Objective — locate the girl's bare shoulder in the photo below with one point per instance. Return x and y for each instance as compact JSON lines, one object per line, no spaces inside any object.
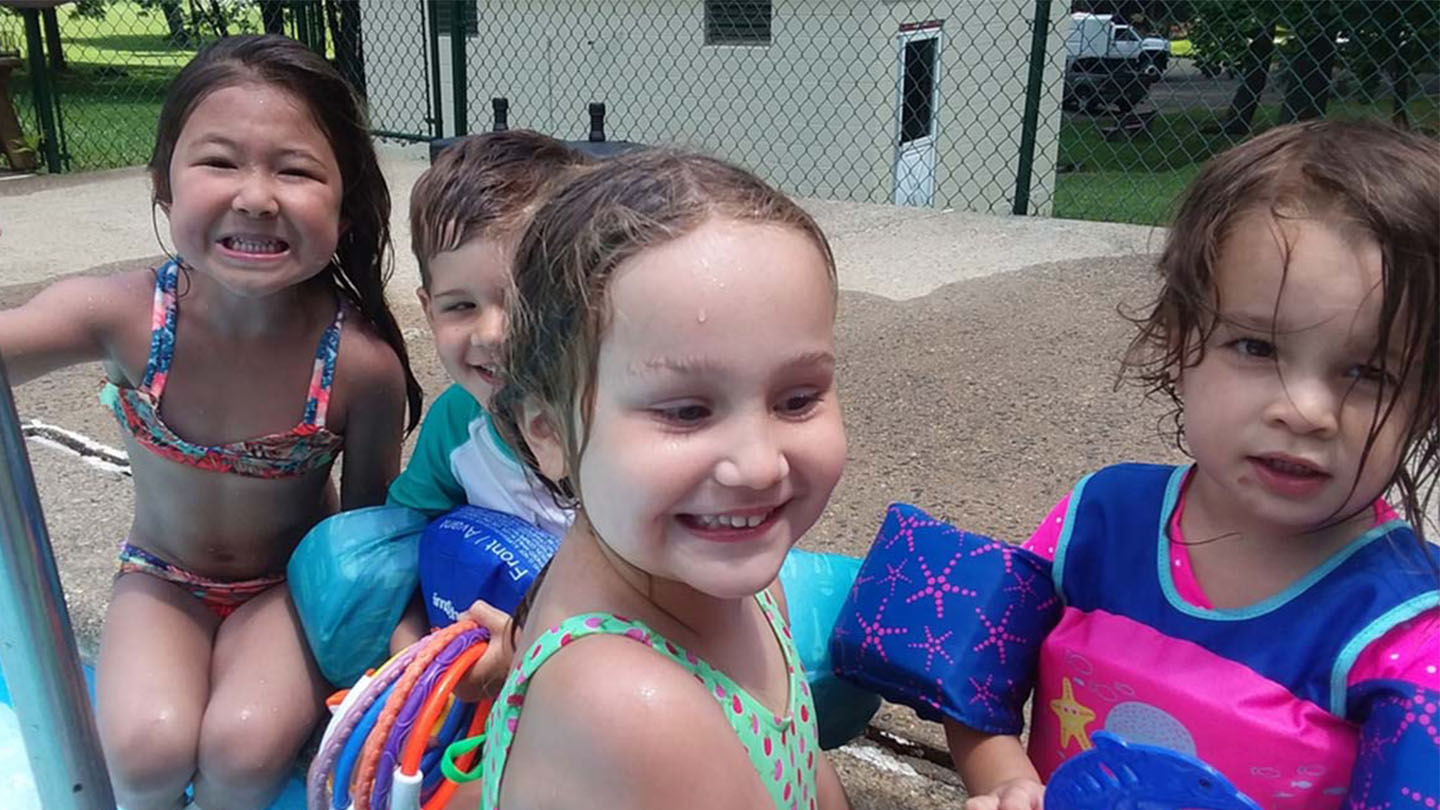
{"x":368,"y":373}
{"x":365,"y":359}
{"x":609,"y":705}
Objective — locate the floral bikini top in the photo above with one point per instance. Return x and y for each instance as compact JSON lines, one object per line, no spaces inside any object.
{"x":304,"y":448}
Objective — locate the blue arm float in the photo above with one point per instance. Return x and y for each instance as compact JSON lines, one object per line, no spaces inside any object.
{"x":1116,"y":775}
{"x":946,"y":622}
{"x":815,"y":586}
{"x":473,"y":553}
{"x":1399,"y":746}
{"x":350,"y":578}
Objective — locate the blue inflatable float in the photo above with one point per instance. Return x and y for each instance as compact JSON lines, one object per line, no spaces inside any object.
{"x":353,"y":574}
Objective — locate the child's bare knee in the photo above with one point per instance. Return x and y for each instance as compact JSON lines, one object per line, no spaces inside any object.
{"x":151,"y":752}
{"x":246,"y":747}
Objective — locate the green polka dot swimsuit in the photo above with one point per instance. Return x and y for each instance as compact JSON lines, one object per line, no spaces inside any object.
{"x":782,"y":749}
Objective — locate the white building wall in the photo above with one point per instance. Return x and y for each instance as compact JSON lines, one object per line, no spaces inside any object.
{"x":814,"y":112}
{"x":984,"y":71}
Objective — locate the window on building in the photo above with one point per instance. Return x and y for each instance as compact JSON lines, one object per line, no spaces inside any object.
{"x":737,"y":22}
{"x":445,"y":17}
{"x":918,"y":93}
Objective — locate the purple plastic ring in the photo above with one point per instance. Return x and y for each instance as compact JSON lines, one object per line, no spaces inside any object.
{"x":410,"y":710}
{"x":324,"y":762}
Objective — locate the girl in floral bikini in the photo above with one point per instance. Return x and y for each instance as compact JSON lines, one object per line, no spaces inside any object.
{"x":279,"y":217}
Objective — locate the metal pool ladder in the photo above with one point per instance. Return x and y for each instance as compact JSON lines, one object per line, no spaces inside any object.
{"x":37,"y":648}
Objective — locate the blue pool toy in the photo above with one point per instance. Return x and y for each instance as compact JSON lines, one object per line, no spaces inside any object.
{"x":473,"y":553}
{"x":1116,"y":775}
{"x":350,"y":578}
{"x":816,"y":585}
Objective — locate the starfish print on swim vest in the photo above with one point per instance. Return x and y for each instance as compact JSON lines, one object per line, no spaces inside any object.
{"x":1073,"y":717}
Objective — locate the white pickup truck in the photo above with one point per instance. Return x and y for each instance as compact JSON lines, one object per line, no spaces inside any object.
{"x":1097,"y":37}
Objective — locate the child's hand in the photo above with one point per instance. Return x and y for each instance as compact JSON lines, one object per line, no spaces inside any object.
{"x":488,"y":674}
{"x":1016,"y":794}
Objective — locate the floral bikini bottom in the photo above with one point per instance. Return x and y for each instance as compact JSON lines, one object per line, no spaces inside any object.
{"x":222,"y":597}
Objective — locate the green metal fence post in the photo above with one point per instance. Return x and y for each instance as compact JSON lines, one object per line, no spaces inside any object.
{"x":318,"y":33}
{"x":297,"y":18}
{"x":437,"y":101}
{"x":40,"y":79}
{"x":457,"y":59}
{"x":1030,"y":121}
{"x":305,"y":23}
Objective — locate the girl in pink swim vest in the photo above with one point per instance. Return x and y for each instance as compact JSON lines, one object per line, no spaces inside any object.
{"x":1265,"y":608}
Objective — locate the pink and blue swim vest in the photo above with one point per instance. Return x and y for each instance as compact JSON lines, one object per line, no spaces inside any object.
{"x":1322,"y":696}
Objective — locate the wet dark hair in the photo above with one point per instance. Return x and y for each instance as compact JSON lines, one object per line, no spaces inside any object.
{"x":483,"y":185}
{"x":363,"y":252}
{"x":602,"y":217}
{"x":1368,"y":178}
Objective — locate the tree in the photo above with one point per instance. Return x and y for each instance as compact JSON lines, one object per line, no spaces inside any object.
{"x":308,"y":22}
{"x":1314,"y":37}
{"x":272,"y":16}
{"x":1254,"y":73}
{"x":174,"y":20}
{"x":344,"y":18}
{"x":215,"y":15}
{"x":93,"y":9}
{"x":1311,"y":66}
{"x":1406,"y":37}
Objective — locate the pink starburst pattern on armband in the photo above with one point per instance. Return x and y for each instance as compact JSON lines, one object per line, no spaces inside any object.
{"x":938,"y":585}
{"x":874,"y":631}
{"x":984,"y":694}
{"x":906,"y":526}
{"x":893,"y":576}
{"x":933,"y":645}
{"x":1024,"y":587}
{"x":1005,"y":550}
{"x":997,"y":634}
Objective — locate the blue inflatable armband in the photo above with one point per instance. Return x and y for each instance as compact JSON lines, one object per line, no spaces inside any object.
{"x":473,"y":553}
{"x":1116,"y":775}
{"x":946,"y":622}
{"x":815,"y":587}
{"x":351,"y":577}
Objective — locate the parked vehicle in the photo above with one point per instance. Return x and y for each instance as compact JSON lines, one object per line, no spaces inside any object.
{"x":1099,"y":87}
{"x":1099,"y":38}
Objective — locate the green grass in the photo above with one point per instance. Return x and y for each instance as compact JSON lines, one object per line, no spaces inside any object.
{"x":1121,"y":196}
{"x":108,"y":116}
{"x":1140,"y":179}
{"x":110,"y":96}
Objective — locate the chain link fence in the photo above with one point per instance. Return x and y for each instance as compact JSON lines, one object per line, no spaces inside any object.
{"x":86,"y":79}
{"x":1091,"y":109}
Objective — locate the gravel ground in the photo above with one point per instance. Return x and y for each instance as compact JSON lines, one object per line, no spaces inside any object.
{"x":984,"y":401}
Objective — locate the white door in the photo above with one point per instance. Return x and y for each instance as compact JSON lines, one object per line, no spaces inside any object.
{"x":917,"y":101}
